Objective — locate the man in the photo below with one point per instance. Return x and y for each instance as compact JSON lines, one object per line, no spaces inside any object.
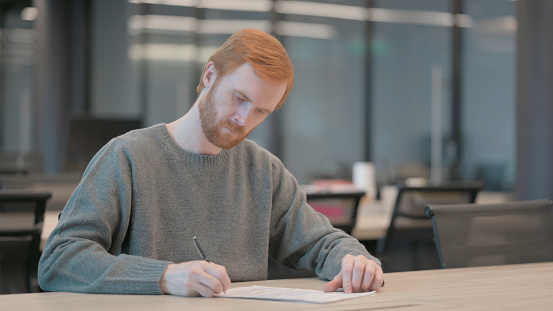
{"x":128,"y":227}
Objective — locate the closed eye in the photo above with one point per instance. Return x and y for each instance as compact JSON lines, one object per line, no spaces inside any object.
{"x":240,"y":99}
{"x":261,"y":111}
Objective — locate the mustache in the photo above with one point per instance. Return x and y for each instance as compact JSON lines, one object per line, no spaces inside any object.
{"x":229,"y":124}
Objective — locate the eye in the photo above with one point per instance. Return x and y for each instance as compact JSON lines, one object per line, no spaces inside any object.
{"x":239,"y":99}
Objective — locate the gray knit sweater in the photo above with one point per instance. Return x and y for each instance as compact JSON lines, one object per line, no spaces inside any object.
{"x":142,"y":199}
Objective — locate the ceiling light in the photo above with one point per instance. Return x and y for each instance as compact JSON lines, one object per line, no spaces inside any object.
{"x":321,"y":9}
{"x":307,"y":30}
{"x":237,"y":5}
{"x":225,"y":26}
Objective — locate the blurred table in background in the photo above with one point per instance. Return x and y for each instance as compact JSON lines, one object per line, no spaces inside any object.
{"x":373,"y":217}
{"x":50,"y":223}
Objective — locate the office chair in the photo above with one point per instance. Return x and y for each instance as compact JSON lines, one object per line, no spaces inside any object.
{"x":409,"y":235}
{"x":468,"y":235}
{"x":339,"y":207}
{"x":21,"y":220}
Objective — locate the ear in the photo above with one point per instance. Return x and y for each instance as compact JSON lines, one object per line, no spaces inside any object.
{"x":210,"y":74}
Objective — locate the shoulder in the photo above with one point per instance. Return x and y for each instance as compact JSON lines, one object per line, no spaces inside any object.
{"x":145,"y":135}
{"x":131,"y":145}
{"x":255,"y":153}
{"x":261,"y":161}
{"x":143,"y":140}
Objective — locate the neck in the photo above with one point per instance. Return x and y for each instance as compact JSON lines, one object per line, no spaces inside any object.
{"x":188,"y":134}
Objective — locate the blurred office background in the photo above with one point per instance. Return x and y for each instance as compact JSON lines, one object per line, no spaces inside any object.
{"x":420,"y":88}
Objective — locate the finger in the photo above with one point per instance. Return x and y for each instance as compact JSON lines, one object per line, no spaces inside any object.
{"x":216,"y":278}
{"x":220,"y":272}
{"x":368,"y":277}
{"x":347,"y":271}
{"x":358,"y":273}
{"x":204,"y":290}
{"x":225,"y":280}
{"x":378,"y":279}
{"x":333,"y":285}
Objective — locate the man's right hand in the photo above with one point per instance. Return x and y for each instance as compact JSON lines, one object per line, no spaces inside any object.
{"x":194,"y":278}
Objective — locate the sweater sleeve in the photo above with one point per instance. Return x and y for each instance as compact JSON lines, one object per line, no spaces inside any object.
{"x":83,"y":253}
{"x":302,"y":238}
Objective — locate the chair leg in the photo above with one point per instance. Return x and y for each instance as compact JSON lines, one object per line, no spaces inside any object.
{"x":414,"y":255}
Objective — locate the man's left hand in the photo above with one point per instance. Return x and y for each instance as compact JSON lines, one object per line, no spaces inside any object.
{"x":358,"y":274}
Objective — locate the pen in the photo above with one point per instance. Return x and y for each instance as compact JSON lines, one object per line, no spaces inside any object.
{"x":199,"y":249}
{"x":201,"y":252}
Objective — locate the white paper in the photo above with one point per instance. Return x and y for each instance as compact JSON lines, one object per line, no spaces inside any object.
{"x":289,"y":294}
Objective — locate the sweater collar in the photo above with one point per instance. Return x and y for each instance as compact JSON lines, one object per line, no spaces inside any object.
{"x":198,"y":159}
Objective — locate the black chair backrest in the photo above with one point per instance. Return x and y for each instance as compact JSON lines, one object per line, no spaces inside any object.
{"x":12,"y":202}
{"x":469,"y":235}
{"x":341,"y":207}
{"x":411,"y":202}
{"x":21,"y":220}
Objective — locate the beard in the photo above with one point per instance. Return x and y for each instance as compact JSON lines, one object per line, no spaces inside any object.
{"x":216,"y":131}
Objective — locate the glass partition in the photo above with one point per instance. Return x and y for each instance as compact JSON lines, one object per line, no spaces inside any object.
{"x":392,"y":95}
{"x":411,"y":56}
{"x":489,"y":104}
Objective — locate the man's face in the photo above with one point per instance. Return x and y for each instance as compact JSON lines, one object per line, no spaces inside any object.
{"x":236,"y":104}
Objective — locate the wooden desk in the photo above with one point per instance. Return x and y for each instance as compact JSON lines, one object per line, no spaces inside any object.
{"x":514,"y":287}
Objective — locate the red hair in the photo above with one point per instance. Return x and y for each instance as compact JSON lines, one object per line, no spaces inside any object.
{"x":262,"y":51}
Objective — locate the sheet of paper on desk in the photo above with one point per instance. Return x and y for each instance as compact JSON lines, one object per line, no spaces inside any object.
{"x":289,"y":294}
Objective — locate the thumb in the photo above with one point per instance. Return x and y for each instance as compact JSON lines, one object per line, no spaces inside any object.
{"x":333,"y":285}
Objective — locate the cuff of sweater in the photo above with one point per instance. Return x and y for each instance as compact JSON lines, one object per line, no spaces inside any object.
{"x":144,"y":276}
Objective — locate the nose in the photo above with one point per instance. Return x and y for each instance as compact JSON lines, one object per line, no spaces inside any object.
{"x":242,"y":113}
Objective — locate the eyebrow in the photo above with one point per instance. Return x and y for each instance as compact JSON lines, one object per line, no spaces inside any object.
{"x":248,"y":99}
